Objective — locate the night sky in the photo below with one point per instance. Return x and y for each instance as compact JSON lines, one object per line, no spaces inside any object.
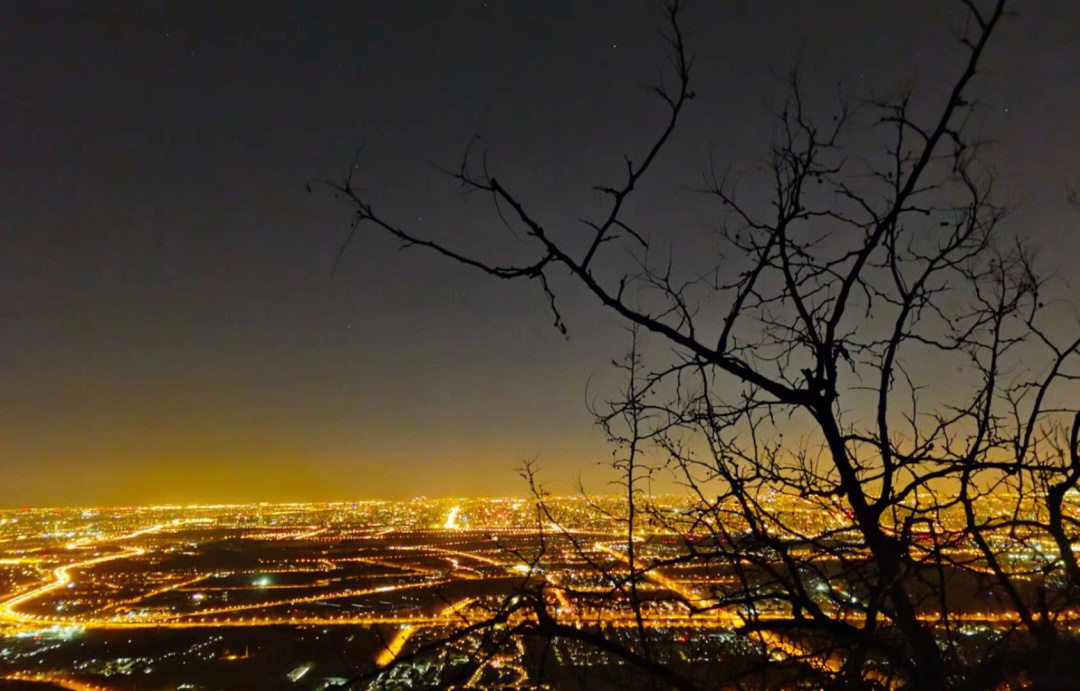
{"x":170,"y":330}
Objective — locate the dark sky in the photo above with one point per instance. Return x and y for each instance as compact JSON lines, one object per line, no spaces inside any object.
{"x":169,"y":327}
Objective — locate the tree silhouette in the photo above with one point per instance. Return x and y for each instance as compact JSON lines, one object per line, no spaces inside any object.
{"x":862,"y":400}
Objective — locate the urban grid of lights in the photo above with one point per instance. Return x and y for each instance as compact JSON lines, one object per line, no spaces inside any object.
{"x":380,"y":564}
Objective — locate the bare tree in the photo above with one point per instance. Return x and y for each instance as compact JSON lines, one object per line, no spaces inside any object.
{"x":868,"y":424}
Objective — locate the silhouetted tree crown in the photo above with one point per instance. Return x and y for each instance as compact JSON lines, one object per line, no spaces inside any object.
{"x":874,"y":346}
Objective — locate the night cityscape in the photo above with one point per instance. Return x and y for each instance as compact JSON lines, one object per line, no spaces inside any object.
{"x":325,"y":595}
{"x":540,"y":344}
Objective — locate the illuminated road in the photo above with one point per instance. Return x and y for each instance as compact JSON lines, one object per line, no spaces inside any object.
{"x":397,"y":643}
{"x":8,"y":613}
{"x":62,"y":577}
{"x":681,"y":589}
{"x":56,"y":680}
